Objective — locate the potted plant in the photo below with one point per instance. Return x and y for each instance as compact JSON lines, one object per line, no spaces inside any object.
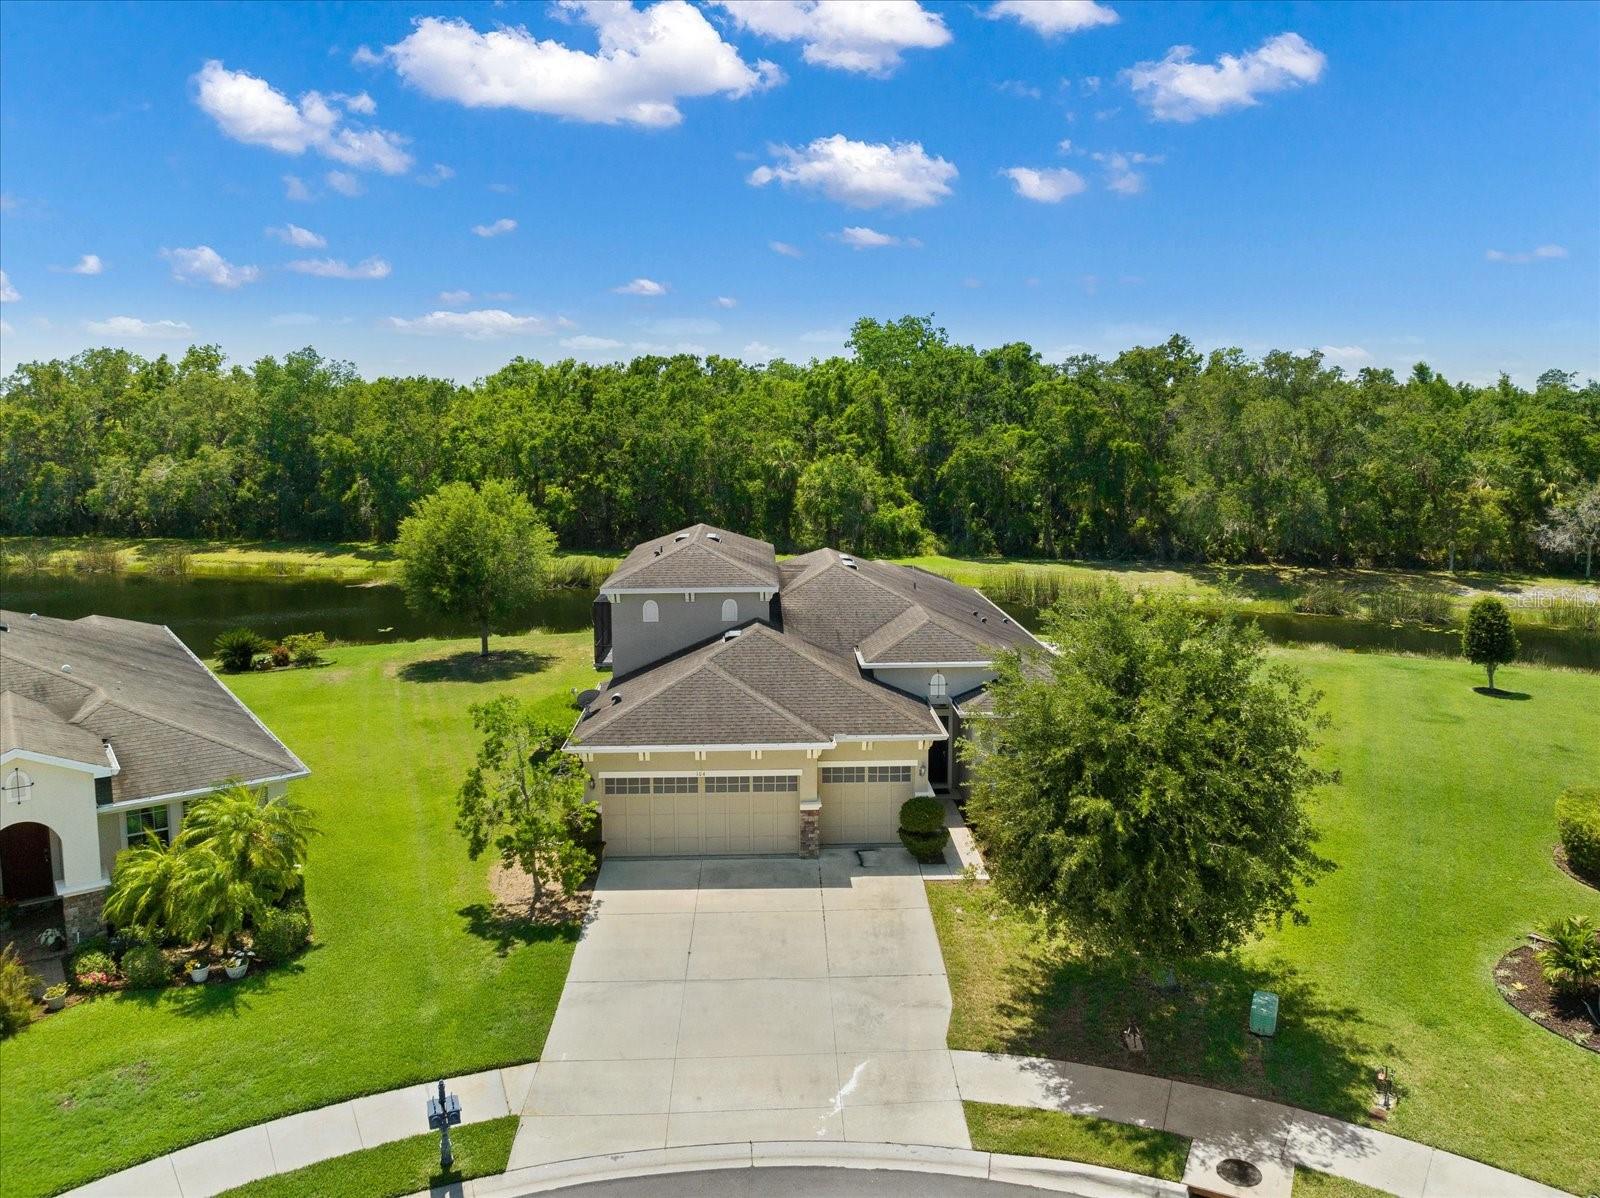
{"x":199,"y":970}
{"x":55,"y":997}
{"x":236,"y":965}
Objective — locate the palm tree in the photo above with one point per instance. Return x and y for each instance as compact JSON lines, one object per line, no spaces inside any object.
{"x":145,"y":886}
{"x":255,"y":842}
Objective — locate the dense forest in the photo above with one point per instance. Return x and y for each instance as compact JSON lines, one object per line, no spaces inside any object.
{"x":910,"y":442}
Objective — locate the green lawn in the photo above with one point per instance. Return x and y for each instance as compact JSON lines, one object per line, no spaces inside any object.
{"x":395,"y":1170}
{"x":1442,"y":827}
{"x":1308,"y":1183}
{"x":1020,"y":1131}
{"x":411,"y":977}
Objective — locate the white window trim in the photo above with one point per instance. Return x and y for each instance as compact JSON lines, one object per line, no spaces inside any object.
{"x":727,"y":617}
{"x":650,"y":613}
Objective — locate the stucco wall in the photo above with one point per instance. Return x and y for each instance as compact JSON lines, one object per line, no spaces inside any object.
{"x":683,"y":622}
{"x":915,"y":681}
{"x":62,"y":799}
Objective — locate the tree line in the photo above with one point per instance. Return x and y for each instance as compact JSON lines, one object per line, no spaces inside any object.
{"x":911,"y":442}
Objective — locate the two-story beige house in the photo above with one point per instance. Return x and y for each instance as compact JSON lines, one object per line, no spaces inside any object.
{"x":108,"y":728}
{"x":759,"y":706}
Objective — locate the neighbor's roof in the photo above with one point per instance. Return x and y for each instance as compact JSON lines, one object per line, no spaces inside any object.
{"x":761,"y":687}
{"x":69,"y":684}
{"x":892,"y":614}
{"x":697,"y":557}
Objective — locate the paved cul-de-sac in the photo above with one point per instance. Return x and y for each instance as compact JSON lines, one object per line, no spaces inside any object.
{"x":716,"y":1000}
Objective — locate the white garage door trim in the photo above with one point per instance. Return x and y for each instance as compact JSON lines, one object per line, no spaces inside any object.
{"x":702,"y":821}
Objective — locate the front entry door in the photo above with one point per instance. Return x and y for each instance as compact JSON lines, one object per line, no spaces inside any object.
{"x":25,"y":871}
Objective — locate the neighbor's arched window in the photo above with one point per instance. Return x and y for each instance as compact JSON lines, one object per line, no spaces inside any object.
{"x":938,"y":690}
{"x":652,"y":612}
{"x":730,"y":610}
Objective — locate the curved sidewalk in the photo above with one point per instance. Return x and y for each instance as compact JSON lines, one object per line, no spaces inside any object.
{"x":1221,"y":1124}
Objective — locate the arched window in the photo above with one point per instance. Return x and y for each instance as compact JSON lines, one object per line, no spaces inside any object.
{"x":938,"y":689}
{"x":652,"y":612}
{"x":730,"y":611}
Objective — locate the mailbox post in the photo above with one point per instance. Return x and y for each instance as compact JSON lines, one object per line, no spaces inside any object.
{"x":444,"y":1112}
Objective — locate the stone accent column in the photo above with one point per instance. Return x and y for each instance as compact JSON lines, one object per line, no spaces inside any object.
{"x":811,"y":828}
{"x":81,"y":913}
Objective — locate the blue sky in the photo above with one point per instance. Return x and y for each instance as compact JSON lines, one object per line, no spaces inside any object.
{"x":438,"y":188}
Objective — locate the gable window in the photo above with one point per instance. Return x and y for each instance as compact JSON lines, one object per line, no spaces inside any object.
{"x":652,"y":612}
{"x":938,"y":689}
{"x":148,"y":821}
{"x":730,"y":611}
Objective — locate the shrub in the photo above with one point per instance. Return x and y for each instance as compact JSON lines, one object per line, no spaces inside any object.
{"x":1326,"y":599}
{"x":97,"y":558}
{"x":1570,"y":957}
{"x":1578,"y":820}
{"x":922,"y":829}
{"x":236,"y":649}
{"x":1409,"y":607}
{"x":16,"y":993}
{"x":1488,"y":639}
{"x":281,"y":655}
{"x":93,"y":969}
{"x":172,"y":559}
{"x":305,"y":648}
{"x":280,"y":933}
{"x":145,"y":968}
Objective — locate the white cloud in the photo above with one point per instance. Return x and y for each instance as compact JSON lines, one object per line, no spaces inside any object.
{"x":337,"y":268}
{"x":1345,"y":355}
{"x":344,"y":183}
{"x":848,"y":35}
{"x":294,"y":188}
{"x":1541,"y":253}
{"x":360,"y":103}
{"x":784,"y":248}
{"x":483,"y":324}
{"x":365,"y":57}
{"x":202,"y":264}
{"x":439,"y":174}
{"x":301,"y":239}
{"x":88,"y":264}
{"x":454,"y":297}
{"x":8,"y":293}
{"x":584,"y":343}
{"x":1016,"y":87}
{"x":647,"y":60}
{"x":1045,"y":185}
{"x":1122,"y":175}
{"x":132,"y":326}
{"x":504,"y":225}
{"x":726,"y":301}
{"x":1050,"y":17}
{"x":1177,"y":89}
{"x":861,"y":174}
{"x":859,"y":237}
{"x":641,"y":287}
{"x":504,"y":189}
{"x":251,"y":110}
{"x":758,"y":351}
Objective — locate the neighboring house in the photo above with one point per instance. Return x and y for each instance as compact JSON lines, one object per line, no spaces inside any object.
{"x":107,"y":729}
{"x":759,"y":706}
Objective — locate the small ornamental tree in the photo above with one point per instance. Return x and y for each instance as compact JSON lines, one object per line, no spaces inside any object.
{"x":1488,"y":639}
{"x":1145,"y":786}
{"x":475,"y":554}
{"x":524,"y":798}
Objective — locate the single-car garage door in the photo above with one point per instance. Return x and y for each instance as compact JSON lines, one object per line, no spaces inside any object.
{"x":861,"y":803}
{"x":687,"y":815}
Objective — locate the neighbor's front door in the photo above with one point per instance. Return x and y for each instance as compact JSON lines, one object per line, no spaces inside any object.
{"x":25,"y":871}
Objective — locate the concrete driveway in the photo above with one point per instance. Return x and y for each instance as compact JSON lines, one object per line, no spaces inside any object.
{"x":719,"y":1000}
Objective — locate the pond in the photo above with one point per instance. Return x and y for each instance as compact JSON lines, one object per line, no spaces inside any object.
{"x":198,"y":608}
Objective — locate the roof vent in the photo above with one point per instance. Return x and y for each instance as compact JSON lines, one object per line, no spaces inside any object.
{"x":682,"y":536}
{"x":33,"y":615}
{"x":846,"y":560}
{"x":658,"y":551}
{"x":732,"y":634}
{"x":974,"y":611}
{"x":713,"y":536}
{"x":616,"y":698}
{"x":65,"y":668}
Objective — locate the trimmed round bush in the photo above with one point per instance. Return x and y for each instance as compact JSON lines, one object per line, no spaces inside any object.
{"x":1578,"y":821}
{"x":280,"y":933}
{"x":93,"y":969}
{"x":922,"y":829}
{"x":145,"y":968}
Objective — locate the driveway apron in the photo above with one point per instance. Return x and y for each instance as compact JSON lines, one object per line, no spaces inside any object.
{"x":724,"y":999}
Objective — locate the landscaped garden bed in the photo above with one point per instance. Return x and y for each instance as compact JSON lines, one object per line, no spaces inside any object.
{"x":1520,"y":979}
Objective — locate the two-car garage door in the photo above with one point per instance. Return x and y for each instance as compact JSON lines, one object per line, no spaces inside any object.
{"x":861,"y":803}
{"x":690,"y":815}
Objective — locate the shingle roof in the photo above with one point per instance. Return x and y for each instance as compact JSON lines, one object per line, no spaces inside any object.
{"x":699,"y":556}
{"x":761,"y":687}
{"x":25,"y":724}
{"x":892,"y":613}
{"x":172,"y":724}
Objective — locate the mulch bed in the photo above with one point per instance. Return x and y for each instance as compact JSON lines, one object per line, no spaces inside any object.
{"x":1518,"y":979}
{"x":1560,"y":856}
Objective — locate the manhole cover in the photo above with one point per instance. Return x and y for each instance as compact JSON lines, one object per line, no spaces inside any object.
{"x":1239,"y":1173}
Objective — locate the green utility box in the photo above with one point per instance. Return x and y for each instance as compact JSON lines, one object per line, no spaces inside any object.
{"x":1263,"y":1013}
